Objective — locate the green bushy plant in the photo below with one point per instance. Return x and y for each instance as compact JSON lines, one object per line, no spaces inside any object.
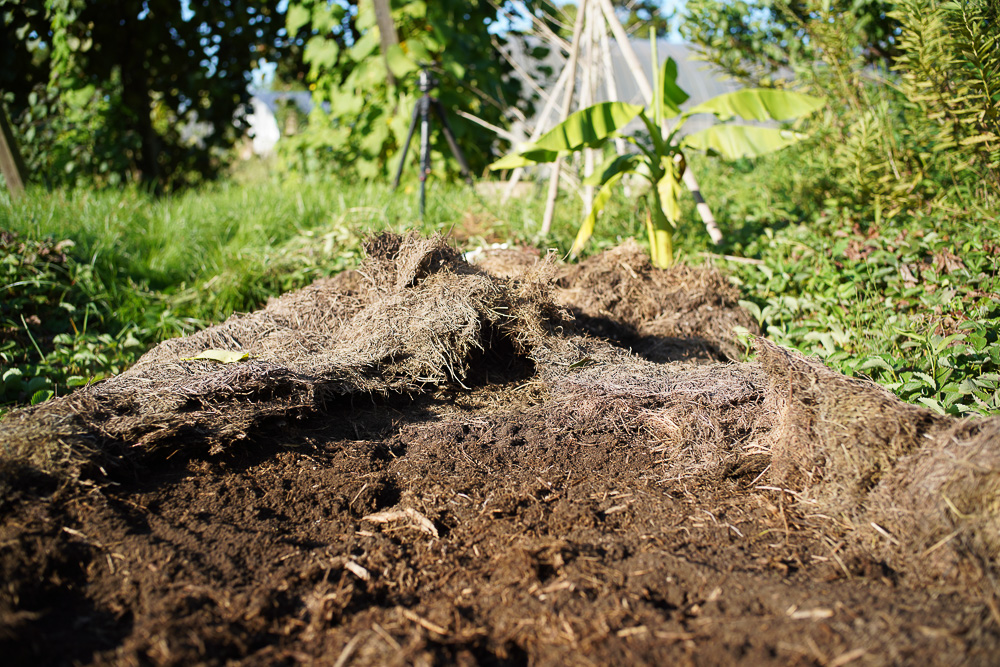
{"x":52,"y":333}
{"x":913,"y":87}
{"x":913,"y":309}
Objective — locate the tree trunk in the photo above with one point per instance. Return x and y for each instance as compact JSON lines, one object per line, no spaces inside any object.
{"x":11,"y":164}
{"x":135,"y":95}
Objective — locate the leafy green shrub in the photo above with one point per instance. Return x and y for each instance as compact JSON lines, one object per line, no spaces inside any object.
{"x":47,"y":320}
{"x":917,"y":311}
{"x":78,"y":142}
{"x":913,"y":87}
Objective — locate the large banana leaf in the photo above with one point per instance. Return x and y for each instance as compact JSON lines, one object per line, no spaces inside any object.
{"x":672,"y":95}
{"x":529,"y":156}
{"x":589,"y":127}
{"x":736,"y":141}
{"x":759,"y":104}
{"x":600,"y":201}
{"x":619,"y":164}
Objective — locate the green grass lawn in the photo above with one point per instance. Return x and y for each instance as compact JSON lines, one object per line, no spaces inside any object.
{"x":912,"y":302}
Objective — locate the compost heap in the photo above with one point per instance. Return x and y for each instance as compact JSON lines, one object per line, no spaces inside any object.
{"x":431,"y":461}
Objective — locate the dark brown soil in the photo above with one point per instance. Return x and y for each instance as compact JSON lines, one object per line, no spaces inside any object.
{"x":523,"y":511}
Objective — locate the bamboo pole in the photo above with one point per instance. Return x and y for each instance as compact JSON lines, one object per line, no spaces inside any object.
{"x":521,"y":72}
{"x":537,"y":132}
{"x":588,"y":50}
{"x":574,"y":52}
{"x":703,"y":209}
{"x":627,"y":51}
{"x":609,"y":81}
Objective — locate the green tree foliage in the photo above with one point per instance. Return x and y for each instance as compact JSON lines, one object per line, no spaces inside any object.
{"x":758,"y":41}
{"x":102,"y":90}
{"x":367,"y":120}
{"x":914,"y":88}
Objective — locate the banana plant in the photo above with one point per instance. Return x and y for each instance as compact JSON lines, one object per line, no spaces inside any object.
{"x":661,"y":160}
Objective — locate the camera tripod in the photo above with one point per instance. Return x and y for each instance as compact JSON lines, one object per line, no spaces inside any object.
{"x":421,"y":111}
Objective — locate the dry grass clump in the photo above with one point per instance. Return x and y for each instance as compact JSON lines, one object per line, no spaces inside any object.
{"x":702,"y":418}
{"x":418,"y":322}
{"x":414,"y":315}
{"x":505,"y":262}
{"x":675,"y":314}
{"x":326,"y":304}
{"x":921,"y":489}
{"x":941,"y":506}
{"x":835,"y":436}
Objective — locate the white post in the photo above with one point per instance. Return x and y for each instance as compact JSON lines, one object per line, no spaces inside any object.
{"x":588,"y":47}
{"x":537,"y":132}
{"x":574,"y":52}
{"x":627,"y":51}
{"x":609,"y":80}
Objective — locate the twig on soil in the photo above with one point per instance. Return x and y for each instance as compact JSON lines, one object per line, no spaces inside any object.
{"x":762,"y":473}
{"x":940,"y":543}
{"x":417,"y":520}
{"x":358,"y":494}
{"x":424,"y":623}
{"x":847,"y":657}
{"x":348,"y":651}
{"x":885,"y":533}
{"x":833,"y":552}
{"x":808,"y":614}
{"x":631,"y":632}
{"x":389,"y":639}
{"x":357,"y":570}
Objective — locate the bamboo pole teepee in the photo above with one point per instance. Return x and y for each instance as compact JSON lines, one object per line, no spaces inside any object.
{"x":593,"y":20}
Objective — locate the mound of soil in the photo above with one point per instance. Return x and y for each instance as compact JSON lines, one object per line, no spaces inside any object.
{"x":431,"y":462}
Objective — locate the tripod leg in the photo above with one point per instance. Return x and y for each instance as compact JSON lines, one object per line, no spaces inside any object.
{"x":425,"y":151}
{"x":406,"y":145}
{"x":452,"y":144}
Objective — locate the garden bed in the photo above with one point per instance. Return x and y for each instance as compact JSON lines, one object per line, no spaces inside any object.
{"x":427,"y":460}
